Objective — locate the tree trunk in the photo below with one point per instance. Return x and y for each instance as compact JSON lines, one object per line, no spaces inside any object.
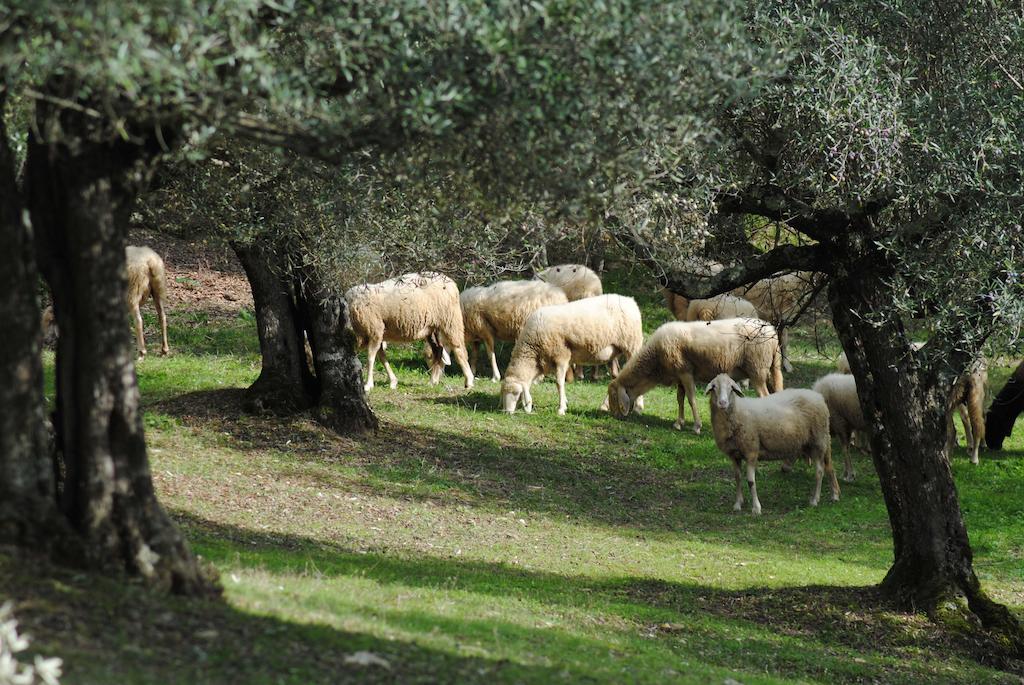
{"x":342,"y":404}
{"x":285,"y":384}
{"x":293,"y":306}
{"x":906,"y":411}
{"x":79,"y":196}
{"x":28,"y":512}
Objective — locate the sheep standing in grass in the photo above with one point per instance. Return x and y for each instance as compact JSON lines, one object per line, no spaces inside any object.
{"x":679,"y":353}
{"x":498,"y":312}
{"x":785,"y":425}
{"x":146,"y":277}
{"x":967,"y":396}
{"x":589,"y":331}
{"x":576,"y":280}
{"x":845,"y":415}
{"x":405,"y":309}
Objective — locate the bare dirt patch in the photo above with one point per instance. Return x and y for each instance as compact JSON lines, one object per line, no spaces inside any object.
{"x":203,"y":275}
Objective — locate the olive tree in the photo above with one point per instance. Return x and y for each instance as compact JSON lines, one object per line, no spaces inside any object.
{"x":540,"y":94}
{"x":894,"y":146}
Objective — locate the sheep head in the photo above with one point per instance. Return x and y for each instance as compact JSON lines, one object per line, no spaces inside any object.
{"x":619,"y":402}
{"x":720,"y":391}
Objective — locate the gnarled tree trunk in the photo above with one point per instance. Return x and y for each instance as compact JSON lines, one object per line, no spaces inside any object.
{"x":294,"y":306}
{"x":28,"y":511}
{"x":906,"y":409}
{"x":79,"y":195}
{"x":285,"y":384}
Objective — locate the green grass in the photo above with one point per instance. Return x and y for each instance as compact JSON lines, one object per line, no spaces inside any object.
{"x":463,"y":545}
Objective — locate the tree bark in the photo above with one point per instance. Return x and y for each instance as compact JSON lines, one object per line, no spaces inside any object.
{"x":342,"y":404}
{"x":906,"y":409}
{"x":285,"y":384}
{"x":294,"y":306}
{"x":28,"y":512}
{"x":79,"y":194}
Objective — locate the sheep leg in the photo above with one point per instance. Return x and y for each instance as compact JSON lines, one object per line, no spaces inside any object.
{"x":848,"y":474}
{"x":760,"y":387}
{"x":681,"y":404}
{"x":977,"y":420}
{"x":755,"y":508}
{"x":831,"y":475}
{"x":495,"y":374}
{"x":371,"y":358}
{"x":819,"y":471}
{"x":560,"y":372}
{"x":463,"y":361}
{"x":392,"y":378}
{"x":140,"y":339}
{"x":691,"y":395}
{"x":737,"y":472}
{"x":165,"y":350}
{"x":527,"y":399}
{"x":614,"y":370}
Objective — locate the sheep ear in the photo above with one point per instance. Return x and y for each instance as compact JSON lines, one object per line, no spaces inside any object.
{"x":736,"y":388}
{"x":627,"y":404}
{"x":446,"y":358}
{"x":707,"y":389}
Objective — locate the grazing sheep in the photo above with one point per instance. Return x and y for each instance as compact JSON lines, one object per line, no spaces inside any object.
{"x":786,"y":425}
{"x":146,"y":277}
{"x":679,"y":353}
{"x":774,"y":299}
{"x":576,"y":280}
{"x":967,"y":396}
{"x":589,"y":331}
{"x":497,"y":312}
{"x":1005,"y":409}
{"x":777,"y":300}
{"x":845,"y":415}
{"x":720,"y":307}
{"x":405,"y":309}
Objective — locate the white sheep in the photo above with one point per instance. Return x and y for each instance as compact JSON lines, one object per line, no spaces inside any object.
{"x":720,"y":307}
{"x":678,"y":353}
{"x":577,"y":280}
{"x":589,"y":331}
{"x":497,"y":312}
{"x":405,"y":309}
{"x":775,"y":299}
{"x":785,"y":425}
{"x":845,"y":415}
{"x":146,"y":277}
{"x":966,"y":396}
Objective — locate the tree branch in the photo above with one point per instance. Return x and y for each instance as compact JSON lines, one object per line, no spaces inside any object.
{"x":782,"y":259}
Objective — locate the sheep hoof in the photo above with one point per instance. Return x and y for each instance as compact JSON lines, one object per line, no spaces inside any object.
{"x":393,"y":384}
{"x":164,"y":352}
{"x":848,"y":477}
{"x":496,"y":379}
{"x":738,"y":507}
{"x":814,"y":502}
{"x":974,"y":459}
{"x":756,"y":512}
{"x":696,"y":429}
{"x":835,"y":496}
{"x":561,"y":412}
{"x":787,"y":466}
{"x":368,"y":387}
{"x":678,"y":425}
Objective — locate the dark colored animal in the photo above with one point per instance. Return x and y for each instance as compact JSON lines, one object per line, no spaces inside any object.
{"x":1004,"y":410}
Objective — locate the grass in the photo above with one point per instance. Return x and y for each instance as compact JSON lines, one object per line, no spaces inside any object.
{"x":463,"y":545}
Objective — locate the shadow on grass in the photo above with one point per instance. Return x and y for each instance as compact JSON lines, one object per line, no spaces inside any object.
{"x":833,"y":633}
{"x":110,"y":631}
{"x":662,"y":480}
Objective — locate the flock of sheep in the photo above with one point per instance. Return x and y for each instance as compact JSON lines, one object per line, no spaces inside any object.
{"x":562,"y":319}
